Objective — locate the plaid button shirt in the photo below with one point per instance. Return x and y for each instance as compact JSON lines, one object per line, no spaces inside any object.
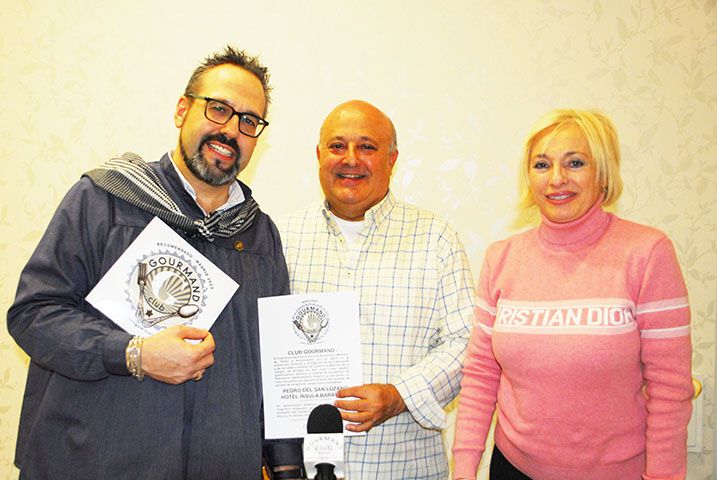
{"x":416,"y":312}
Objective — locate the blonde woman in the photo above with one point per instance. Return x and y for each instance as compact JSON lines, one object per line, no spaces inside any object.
{"x":574,"y":318}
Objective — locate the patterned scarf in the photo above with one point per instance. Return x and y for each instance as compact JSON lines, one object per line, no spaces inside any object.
{"x":131,"y":179}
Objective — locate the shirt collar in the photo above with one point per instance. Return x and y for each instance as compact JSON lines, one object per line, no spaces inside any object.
{"x":374,"y":215}
{"x":236,"y":196}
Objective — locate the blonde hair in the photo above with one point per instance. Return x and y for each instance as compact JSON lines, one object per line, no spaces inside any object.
{"x":601,"y":136}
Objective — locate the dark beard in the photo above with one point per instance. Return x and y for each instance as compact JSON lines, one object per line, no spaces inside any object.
{"x":200,"y":167}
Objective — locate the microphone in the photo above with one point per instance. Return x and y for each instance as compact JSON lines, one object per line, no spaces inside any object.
{"x":324,"y":443}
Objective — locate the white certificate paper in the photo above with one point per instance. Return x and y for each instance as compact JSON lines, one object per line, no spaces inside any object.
{"x":159,"y":281}
{"x":310,"y":348}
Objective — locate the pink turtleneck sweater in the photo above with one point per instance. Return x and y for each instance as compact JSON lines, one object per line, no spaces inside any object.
{"x":572,"y":320}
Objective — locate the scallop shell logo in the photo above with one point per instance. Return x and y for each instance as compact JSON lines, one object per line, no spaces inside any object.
{"x":310,"y":322}
{"x":166,"y":290}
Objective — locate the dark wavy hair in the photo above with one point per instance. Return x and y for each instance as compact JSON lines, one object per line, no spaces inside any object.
{"x":231,"y":56}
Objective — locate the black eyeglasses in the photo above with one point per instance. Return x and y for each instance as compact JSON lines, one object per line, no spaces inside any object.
{"x":219,"y":112}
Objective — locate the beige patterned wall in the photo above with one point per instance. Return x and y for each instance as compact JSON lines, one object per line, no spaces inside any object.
{"x":462,"y":80}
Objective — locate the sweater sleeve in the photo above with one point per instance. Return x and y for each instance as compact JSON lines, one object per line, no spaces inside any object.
{"x":479,"y":387}
{"x":663,"y":316}
{"x":50,"y":319}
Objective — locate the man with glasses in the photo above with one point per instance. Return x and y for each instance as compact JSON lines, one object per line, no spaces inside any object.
{"x":416,"y":296}
{"x":87,"y":412}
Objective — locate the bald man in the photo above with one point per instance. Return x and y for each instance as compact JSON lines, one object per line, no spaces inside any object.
{"x":415,"y":289}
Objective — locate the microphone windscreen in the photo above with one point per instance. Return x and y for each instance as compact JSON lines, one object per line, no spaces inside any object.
{"x":324,"y":418}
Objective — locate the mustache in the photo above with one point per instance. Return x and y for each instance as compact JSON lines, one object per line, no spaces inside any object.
{"x":221,"y":138}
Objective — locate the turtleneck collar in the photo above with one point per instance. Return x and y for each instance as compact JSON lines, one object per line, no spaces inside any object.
{"x":577,"y":234}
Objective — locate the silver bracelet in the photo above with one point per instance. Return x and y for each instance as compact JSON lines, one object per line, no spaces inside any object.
{"x":133,"y":357}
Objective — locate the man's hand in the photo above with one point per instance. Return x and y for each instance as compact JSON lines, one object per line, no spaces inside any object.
{"x":375,"y":403}
{"x":168,"y":358}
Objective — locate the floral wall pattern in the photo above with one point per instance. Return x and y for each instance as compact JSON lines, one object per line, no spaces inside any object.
{"x":463,"y":81}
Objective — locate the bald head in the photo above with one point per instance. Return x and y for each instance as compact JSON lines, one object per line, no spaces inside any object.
{"x":359,"y":106}
{"x":356,"y":151}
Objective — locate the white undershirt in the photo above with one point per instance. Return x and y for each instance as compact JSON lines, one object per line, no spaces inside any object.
{"x":349,"y":229}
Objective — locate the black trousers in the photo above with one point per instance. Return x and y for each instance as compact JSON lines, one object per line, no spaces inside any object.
{"x":502,"y":469}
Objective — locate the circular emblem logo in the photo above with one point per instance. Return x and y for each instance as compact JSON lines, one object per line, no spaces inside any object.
{"x":310,"y":322}
{"x":166,"y":289}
